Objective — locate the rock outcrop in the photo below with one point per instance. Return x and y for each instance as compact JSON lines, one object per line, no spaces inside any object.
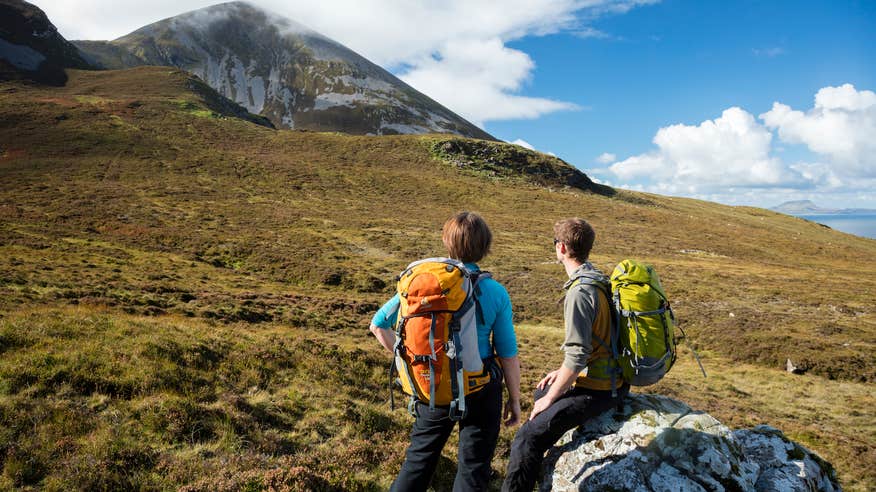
{"x":31,"y":48}
{"x":509,"y":161}
{"x":660,"y":444}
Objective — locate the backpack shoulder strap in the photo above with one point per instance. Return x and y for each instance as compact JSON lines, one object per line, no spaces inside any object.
{"x":614,"y":327}
{"x":476,"y":278}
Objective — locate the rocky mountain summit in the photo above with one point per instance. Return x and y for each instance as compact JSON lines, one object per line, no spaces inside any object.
{"x":280,"y":69}
{"x":660,"y":444}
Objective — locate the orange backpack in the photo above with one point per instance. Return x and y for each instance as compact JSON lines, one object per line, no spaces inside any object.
{"x":436,"y":349}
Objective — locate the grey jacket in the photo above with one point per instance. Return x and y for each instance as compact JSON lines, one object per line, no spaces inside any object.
{"x":579,"y":312}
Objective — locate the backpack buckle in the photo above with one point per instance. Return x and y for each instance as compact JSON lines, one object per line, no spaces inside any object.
{"x":450,"y":349}
{"x":412,"y":407}
{"x":454,"y":413}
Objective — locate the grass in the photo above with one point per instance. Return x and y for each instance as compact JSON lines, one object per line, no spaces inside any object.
{"x":99,"y":400}
{"x":183,"y":299}
{"x":193,"y":108}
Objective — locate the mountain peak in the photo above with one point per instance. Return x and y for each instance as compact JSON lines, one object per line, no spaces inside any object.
{"x":239,"y":11}
{"x":796,"y":207}
{"x":804,"y":207}
{"x":276,"y":67}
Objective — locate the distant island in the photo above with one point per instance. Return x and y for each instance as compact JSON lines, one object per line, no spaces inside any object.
{"x":807,"y":207}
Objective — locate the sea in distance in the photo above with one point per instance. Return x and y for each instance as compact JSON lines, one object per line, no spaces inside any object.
{"x":858,"y":224}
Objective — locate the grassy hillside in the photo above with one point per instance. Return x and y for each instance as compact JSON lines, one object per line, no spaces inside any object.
{"x":184,"y":293}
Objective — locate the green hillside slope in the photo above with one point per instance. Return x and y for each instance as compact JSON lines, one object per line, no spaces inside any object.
{"x":184,"y":293}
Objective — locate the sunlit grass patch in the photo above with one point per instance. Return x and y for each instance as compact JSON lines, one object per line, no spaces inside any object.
{"x":127,"y":394}
{"x":93,"y":100}
{"x":194,"y":108}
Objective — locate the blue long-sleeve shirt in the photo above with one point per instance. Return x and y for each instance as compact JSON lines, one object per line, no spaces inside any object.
{"x":495,"y":305}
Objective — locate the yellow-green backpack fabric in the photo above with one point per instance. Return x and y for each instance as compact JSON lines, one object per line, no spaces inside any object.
{"x":645,"y":322}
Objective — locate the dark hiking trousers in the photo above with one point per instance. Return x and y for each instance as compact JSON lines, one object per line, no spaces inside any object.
{"x":536,"y":436}
{"x":478,"y":433}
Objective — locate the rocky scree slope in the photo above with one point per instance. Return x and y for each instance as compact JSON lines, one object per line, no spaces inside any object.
{"x":275,"y":67}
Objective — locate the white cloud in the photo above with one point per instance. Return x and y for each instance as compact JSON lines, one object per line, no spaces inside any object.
{"x":523,"y":143}
{"x":845,"y":97}
{"x":841,"y":126}
{"x":481,"y":78}
{"x":826,"y":198}
{"x":590,"y":32}
{"x":598,"y":180}
{"x":454,"y":51}
{"x":606,"y":158}
{"x":104,"y":19}
{"x":769,"y":52}
{"x":730,"y":159}
{"x":643,"y":165}
{"x":819,"y":174}
{"x":733,"y":150}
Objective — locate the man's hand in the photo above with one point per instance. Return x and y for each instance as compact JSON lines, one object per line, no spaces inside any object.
{"x":512,"y":412}
{"x":541,"y":405}
{"x":558,"y":382}
{"x":548,"y":380}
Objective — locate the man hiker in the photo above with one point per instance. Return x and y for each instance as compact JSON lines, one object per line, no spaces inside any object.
{"x":467,"y":239}
{"x":581,"y":387}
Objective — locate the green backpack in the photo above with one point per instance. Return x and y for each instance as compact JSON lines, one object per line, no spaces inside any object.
{"x":646,"y":326}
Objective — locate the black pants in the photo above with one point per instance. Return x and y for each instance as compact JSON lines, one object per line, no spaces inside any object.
{"x":478,"y":433}
{"x":536,"y":436}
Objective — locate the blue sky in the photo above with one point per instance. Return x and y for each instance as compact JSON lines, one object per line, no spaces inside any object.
{"x":740,"y":102}
{"x":685,"y":62}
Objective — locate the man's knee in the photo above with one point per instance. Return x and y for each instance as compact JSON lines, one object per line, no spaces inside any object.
{"x":527,"y":437}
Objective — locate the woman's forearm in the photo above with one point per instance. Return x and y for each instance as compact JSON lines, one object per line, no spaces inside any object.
{"x":511,"y":368}
{"x":385,"y":337}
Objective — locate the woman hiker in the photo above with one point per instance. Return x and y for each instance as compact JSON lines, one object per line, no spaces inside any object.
{"x":467,"y":239}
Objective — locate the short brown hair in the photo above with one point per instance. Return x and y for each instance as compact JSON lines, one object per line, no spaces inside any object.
{"x":577,"y":235}
{"x":467,"y":237}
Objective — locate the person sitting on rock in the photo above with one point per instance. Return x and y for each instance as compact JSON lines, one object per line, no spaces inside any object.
{"x":581,"y":388}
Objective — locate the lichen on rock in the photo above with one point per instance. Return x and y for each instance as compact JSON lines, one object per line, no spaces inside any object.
{"x":659,"y":444}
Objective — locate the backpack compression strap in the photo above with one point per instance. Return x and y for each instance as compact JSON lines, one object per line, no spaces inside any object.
{"x":398,"y":351}
{"x":458,"y":408}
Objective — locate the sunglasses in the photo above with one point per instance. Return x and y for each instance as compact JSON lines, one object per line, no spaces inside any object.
{"x":556,"y":241}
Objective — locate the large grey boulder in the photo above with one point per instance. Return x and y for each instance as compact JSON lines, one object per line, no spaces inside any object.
{"x":660,"y":444}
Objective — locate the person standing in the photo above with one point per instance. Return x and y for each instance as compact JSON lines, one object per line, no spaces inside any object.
{"x":583,"y":386}
{"x":467,"y":239}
